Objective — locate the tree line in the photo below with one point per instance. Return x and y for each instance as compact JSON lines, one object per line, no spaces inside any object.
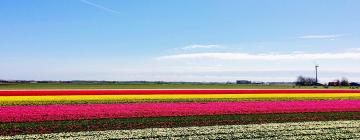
{"x":309,"y":81}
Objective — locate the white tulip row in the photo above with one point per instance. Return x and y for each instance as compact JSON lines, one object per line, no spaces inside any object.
{"x":300,"y":130}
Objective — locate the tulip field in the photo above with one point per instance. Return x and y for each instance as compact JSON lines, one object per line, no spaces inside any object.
{"x":180,"y":113}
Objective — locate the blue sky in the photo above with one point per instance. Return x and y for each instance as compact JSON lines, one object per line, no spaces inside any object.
{"x":180,"y":40}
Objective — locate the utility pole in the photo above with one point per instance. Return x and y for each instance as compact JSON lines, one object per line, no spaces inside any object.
{"x":316,"y":73}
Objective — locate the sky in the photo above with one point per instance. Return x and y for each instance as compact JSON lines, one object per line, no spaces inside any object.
{"x":179,"y":40}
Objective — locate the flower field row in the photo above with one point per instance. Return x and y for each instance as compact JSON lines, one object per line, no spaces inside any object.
{"x":302,"y":130}
{"x":78,"y":99}
{"x":44,"y":127}
{"x":167,"y":91}
{"x":48,"y":111}
{"x":131,"y":110}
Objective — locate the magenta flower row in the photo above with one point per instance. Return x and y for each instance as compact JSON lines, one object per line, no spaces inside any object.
{"x":131,"y":110}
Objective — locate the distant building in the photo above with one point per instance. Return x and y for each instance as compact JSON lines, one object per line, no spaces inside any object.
{"x":354,"y":84}
{"x":243,"y":82}
{"x":257,"y":82}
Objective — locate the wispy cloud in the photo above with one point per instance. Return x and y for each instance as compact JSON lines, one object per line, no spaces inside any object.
{"x":196,"y":46}
{"x":268,"y":57}
{"x":329,"y":36}
{"x":100,"y":7}
{"x":354,"y":50}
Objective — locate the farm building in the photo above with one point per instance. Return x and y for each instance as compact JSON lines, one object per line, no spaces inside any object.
{"x":243,"y":82}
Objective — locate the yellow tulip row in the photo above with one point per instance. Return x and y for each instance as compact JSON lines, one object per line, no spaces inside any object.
{"x":68,"y":99}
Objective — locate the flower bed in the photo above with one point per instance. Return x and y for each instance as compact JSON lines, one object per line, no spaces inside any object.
{"x":79,"y":99}
{"x":47,"y":111}
{"x":167,"y":122}
{"x":298,"y":130}
{"x":131,"y":110}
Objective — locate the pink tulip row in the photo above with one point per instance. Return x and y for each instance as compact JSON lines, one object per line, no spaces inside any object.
{"x":131,"y":110}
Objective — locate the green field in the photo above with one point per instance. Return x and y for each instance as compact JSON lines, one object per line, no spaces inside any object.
{"x":155,"y":86}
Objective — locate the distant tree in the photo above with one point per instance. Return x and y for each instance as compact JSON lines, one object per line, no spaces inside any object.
{"x":305,"y":81}
{"x":300,"y":81}
{"x":344,"y":82}
{"x":336,"y":82}
{"x":310,"y":81}
{"x":331,"y":84}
